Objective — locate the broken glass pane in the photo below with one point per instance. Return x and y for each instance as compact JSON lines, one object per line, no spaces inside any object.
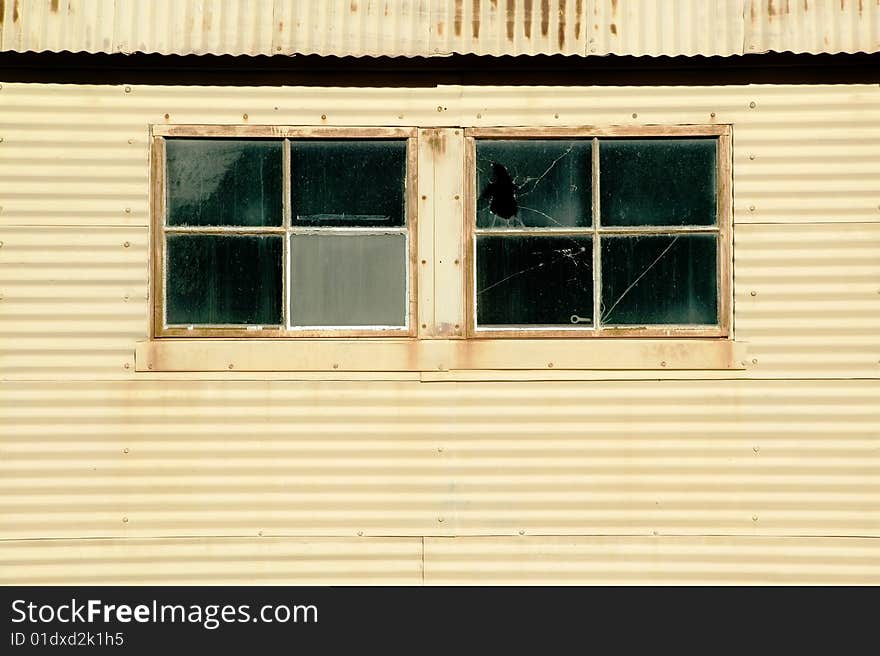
{"x":219,"y":279}
{"x":348,"y":280}
{"x":534,"y":183}
{"x":358,"y":183}
{"x":657,"y":182}
{"x":534,"y":280}
{"x":223,"y":182}
{"x":659,"y":279}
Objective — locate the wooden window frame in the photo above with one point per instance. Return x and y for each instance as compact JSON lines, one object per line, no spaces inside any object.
{"x":723,"y":229}
{"x":159,"y":229}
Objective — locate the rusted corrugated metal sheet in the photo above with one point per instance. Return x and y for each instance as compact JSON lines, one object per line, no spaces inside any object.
{"x":806,"y":189}
{"x":91,"y":449}
{"x":440,"y":27}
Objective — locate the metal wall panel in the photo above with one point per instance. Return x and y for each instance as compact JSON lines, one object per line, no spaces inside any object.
{"x":651,"y":561}
{"x":222,"y":458}
{"x":217,"y":561}
{"x":787,"y":447}
{"x":441,"y":27}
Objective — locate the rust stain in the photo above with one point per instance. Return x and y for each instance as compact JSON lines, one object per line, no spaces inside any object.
{"x":440,"y":27}
{"x":2,"y":11}
{"x":53,"y":6}
{"x":475,"y":20}
{"x":578,"y":10}
{"x":456,"y":25}
{"x":493,"y":4}
{"x":527,"y":19}
{"x":15,"y":11}
{"x":437,"y":142}
{"x":545,"y":17}
{"x":613,"y":28}
{"x":511,"y":19}
{"x":771,"y":9}
{"x":208,"y":15}
{"x":353,"y":7}
{"x":806,"y":5}
{"x":842,"y":5}
{"x":861,"y":7}
{"x":613,"y":7}
{"x":561,"y":30}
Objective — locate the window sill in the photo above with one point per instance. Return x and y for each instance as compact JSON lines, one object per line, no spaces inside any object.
{"x":431,"y":355}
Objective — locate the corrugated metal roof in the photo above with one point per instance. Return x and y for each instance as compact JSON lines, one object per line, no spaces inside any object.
{"x":441,"y":27}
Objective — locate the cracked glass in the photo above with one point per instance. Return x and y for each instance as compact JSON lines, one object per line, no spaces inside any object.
{"x":223,"y":182}
{"x":659,"y":279}
{"x":534,"y":280}
{"x":539,"y":183}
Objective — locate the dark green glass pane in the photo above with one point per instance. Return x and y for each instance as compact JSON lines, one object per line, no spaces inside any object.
{"x":534,"y":183}
{"x":659,"y":279}
{"x":224,"y":182}
{"x":348,"y":280}
{"x":657,"y":182}
{"x":534,"y":280}
{"x":348,"y":183}
{"x":213,"y":279}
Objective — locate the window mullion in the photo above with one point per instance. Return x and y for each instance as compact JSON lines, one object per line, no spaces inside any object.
{"x":286,"y":223}
{"x":597,"y":261}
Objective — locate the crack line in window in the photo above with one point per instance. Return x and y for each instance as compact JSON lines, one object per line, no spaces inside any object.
{"x":605,"y":314}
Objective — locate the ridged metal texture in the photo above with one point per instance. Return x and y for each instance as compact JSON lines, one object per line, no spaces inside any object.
{"x":440,"y":27}
{"x":773,"y":459}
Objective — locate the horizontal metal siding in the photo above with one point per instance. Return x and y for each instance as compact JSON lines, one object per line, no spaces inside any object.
{"x":440,"y":27}
{"x":175,"y":458}
{"x":651,"y":561}
{"x":215,"y":561}
{"x":74,"y":184}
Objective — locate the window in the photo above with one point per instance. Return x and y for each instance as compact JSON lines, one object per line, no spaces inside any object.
{"x":282,"y":232}
{"x":591,"y":233}
{"x":274,"y":231}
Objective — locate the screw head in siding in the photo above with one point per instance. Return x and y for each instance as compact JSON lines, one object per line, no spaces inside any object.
{"x":126,"y":365}
{"x":550,"y":365}
{"x":440,"y":519}
{"x":556,"y":116}
{"x":360,"y":533}
{"x":150,"y":366}
{"x":712,"y":115}
{"x":753,"y":104}
{"x":130,"y":141}
{"x":752,"y":156}
{"x":167,"y":116}
{"x":756,"y":449}
{"x":479,"y":116}
{"x":635,"y":115}
{"x":260,"y":533}
{"x":127,"y":89}
{"x":128,"y":210}
{"x":336,"y":365}
{"x":751,"y":208}
{"x":754,"y":360}
{"x":125,"y":450}
{"x":244,"y":117}
{"x":522,"y":532}
{"x":753,"y":293}
{"x":125,"y":520}
{"x":439,"y":449}
{"x":231,"y":366}
{"x":126,"y":244}
{"x":1,"y":139}
{"x":663,"y":363}
{"x":754,"y":518}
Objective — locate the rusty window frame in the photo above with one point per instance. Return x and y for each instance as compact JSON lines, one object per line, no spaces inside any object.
{"x":722,"y":228}
{"x":284,"y":134}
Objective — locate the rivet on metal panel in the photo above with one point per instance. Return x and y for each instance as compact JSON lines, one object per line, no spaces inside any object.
{"x":663,"y":364}
{"x":125,"y":450}
{"x":323,"y":117}
{"x":754,"y":518}
{"x":167,"y":116}
{"x":752,"y":156}
{"x":278,"y":48}
{"x":231,"y":366}
{"x":336,"y":365}
{"x":150,"y":366}
{"x":424,"y":261}
{"x":125,"y":297}
{"x":556,"y":116}
{"x":275,"y":108}
{"x":457,"y":197}
{"x":128,"y":210}
{"x":424,"y":325}
{"x":522,"y":532}
{"x":131,"y":141}
{"x":550,"y":365}
{"x":753,"y":293}
{"x":244,"y":116}
{"x":127,"y":89}
{"x":455,"y":133}
{"x":635,"y":115}
{"x":754,"y":360}
{"x":712,"y":115}
{"x":751,"y":208}
{"x":439,"y":449}
{"x":756,"y":449}
{"x":479,"y":116}
{"x":457,"y":327}
{"x":753,"y":104}
{"x":125,"y":244}
{"x":439,"y":108}
{"x":260,"y":533}
{"x":455,"y":262}
{"x":125,"y":520}
{"x":400,"y":117}
{"x":126,"y":365}
{"x":424,"y":197}
{"x":440,"y":519}
{"x":360,"y":532}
